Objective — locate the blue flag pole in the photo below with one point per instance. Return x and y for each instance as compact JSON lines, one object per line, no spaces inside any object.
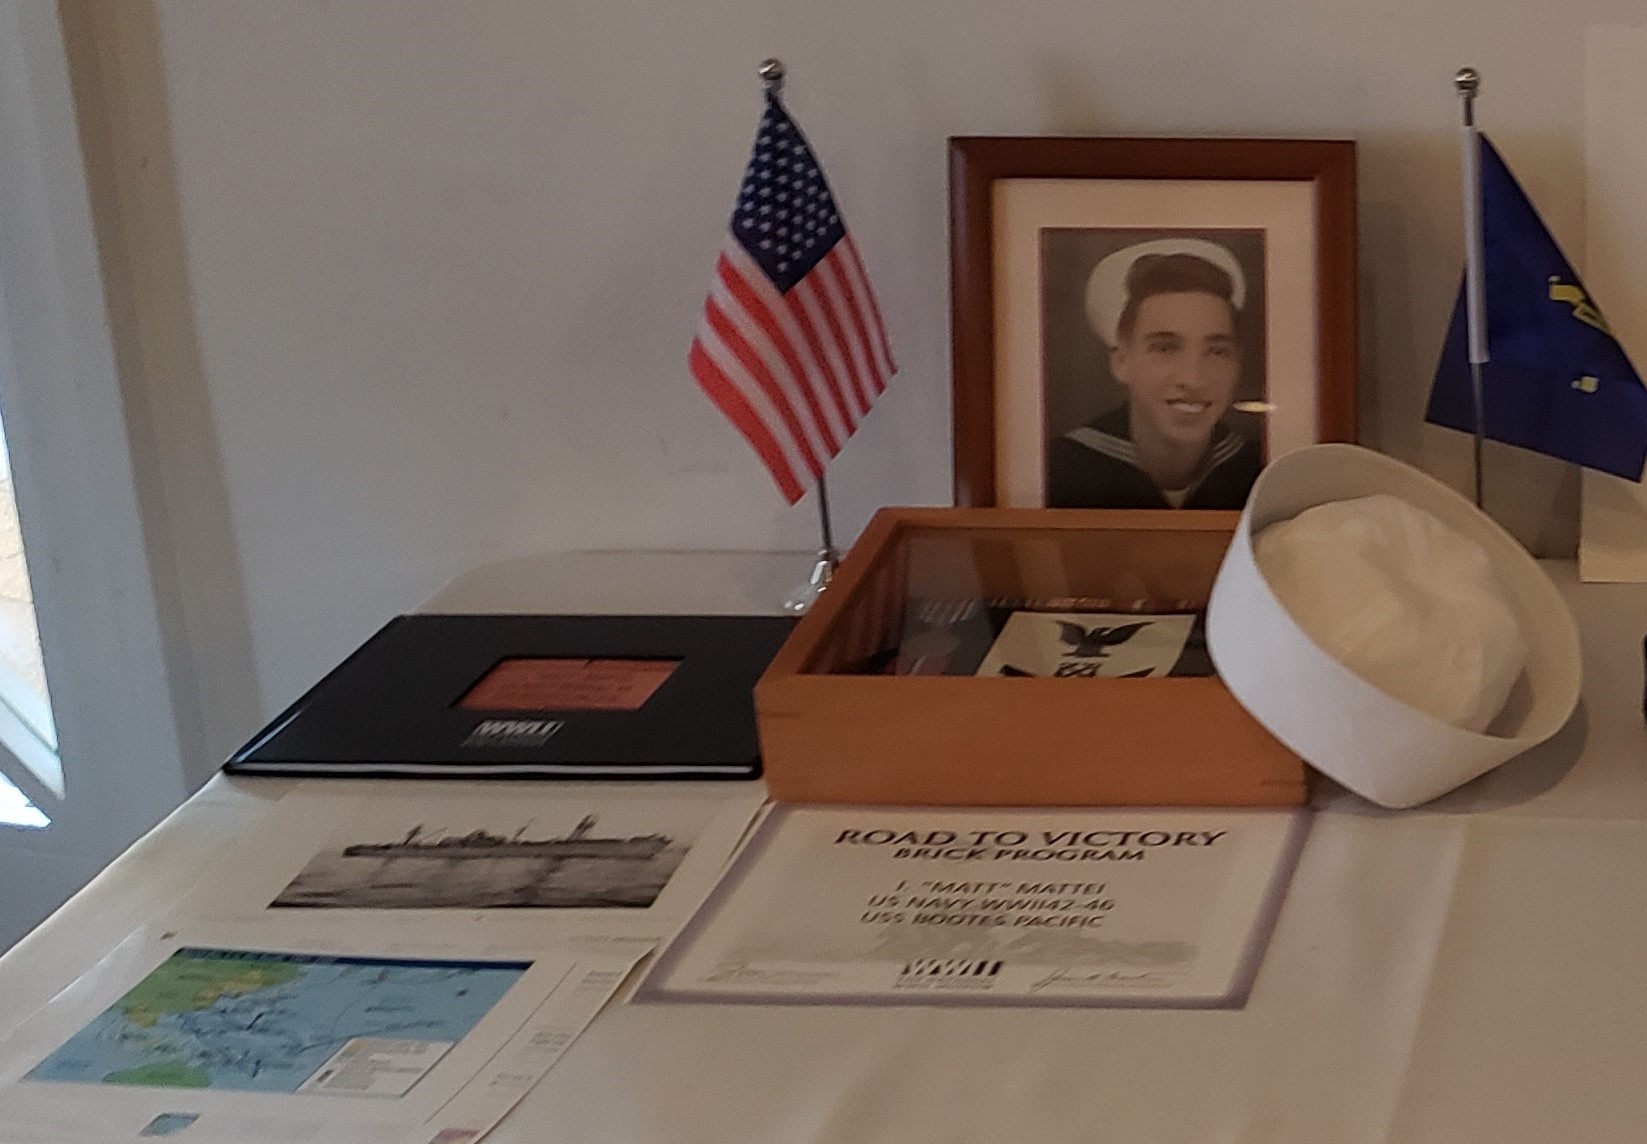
{"x":1561,"y":383}
{"x":1468,"y":82}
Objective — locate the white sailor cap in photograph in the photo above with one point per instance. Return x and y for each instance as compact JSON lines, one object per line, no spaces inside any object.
{"x":1107,"y":285}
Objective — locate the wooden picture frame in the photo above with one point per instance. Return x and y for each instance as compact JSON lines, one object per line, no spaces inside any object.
{"x":1032,"y":221}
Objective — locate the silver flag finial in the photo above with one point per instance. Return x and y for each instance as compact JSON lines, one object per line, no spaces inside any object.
{"x":771,"y":72}
{"x":1468,"y":82}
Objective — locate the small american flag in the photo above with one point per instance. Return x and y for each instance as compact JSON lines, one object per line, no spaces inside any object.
{"x":791,"y":346}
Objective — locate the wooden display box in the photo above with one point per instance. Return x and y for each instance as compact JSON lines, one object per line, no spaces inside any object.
{"x":832,"y":733}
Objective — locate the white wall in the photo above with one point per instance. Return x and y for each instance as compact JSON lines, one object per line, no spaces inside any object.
{"x":416,"y":278}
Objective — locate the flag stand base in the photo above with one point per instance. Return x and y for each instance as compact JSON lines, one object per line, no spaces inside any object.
{"x":823,"y":570}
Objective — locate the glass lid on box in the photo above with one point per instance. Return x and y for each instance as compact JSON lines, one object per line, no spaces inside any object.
{"x":1095,"y":604}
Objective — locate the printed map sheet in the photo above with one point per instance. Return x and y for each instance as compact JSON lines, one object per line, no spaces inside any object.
{"x":257,"y":1021}
{"x":245,"y":1032}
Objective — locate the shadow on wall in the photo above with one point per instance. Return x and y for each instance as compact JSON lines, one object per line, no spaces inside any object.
{"x":118,"y":75}
{"x":37,"y":882}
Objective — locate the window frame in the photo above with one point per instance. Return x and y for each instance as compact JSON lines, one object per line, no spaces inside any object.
{"x":72,"y":443}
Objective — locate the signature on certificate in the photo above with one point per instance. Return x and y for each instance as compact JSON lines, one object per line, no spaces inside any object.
{"x":788,"y":976}
{"x":1073,"y":980}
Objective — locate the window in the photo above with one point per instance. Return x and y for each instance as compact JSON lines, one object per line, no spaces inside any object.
{"x":111,"y":708}
{"x":17,"y":810}
{"x":27,"y":728}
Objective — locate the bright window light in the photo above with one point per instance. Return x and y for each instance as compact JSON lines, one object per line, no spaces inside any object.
{"x":26,"y":723}
{"x":17,"y":810}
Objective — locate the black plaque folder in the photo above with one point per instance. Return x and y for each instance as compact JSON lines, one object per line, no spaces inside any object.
{"x":511,"y":696}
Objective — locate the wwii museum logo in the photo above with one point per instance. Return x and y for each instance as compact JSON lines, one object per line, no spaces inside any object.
{"x":512,"y":732}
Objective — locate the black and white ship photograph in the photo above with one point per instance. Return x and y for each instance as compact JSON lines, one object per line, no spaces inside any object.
{"x":618,"y":858}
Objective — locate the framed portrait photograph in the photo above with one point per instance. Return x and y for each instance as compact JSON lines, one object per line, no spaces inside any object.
{"x":1144,"y":323}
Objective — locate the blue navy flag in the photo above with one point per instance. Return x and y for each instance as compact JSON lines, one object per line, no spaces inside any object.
{"x":1558,"y":382}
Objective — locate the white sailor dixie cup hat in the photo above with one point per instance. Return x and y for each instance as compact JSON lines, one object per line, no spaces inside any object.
{"x":1340,"y":723}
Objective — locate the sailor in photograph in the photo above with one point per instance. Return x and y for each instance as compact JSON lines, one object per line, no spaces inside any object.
{"x":1168,"y":311}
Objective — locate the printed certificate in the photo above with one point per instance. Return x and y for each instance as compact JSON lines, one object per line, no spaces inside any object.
{"x":889,"y":905}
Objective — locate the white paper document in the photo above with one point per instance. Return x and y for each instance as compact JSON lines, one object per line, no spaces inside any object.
{"x":1088,"y":645}
{"x":857,"y":905}
{"x":586,"y":865}
{"x":238,"y":1033}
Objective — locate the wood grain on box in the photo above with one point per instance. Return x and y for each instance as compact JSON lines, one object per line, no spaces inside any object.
{"x":830,"y":736}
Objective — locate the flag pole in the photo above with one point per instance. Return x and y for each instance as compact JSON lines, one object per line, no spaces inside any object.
{"x":1468,"y":82}
{"x":772,"y":74}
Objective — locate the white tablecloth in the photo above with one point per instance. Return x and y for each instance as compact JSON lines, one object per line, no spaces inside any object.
{"x":1475,"y":970}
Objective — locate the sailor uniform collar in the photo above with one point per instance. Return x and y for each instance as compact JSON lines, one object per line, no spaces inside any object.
{"x":1110,"y":435}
